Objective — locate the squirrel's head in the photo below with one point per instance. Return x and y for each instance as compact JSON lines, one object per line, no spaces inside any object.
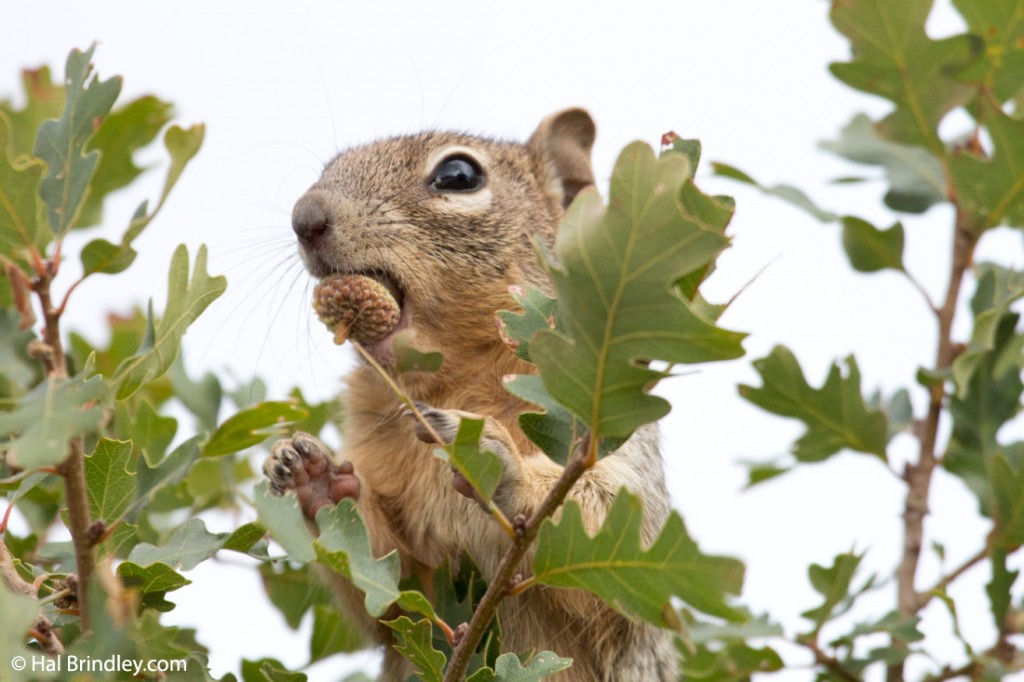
{"x":446,"y":222}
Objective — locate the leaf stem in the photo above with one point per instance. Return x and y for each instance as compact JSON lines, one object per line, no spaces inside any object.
{"x":521,"y":586}
{"x":526,"y":533}
{"x":921,"y":290}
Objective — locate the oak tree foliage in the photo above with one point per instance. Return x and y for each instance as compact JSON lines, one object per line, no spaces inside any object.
{"x":89,"y":440}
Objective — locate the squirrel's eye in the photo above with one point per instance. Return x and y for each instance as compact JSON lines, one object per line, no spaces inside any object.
{"x":457,"y":174}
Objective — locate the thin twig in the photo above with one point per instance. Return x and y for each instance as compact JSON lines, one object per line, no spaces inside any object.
{"x":72,"y":469}
{"x":918,"y":475}
{"x":46,"y":637}
{"x":522,"y":532}
{"x":925,"y":597}
{"x":411,"y":405}
{"x":828,"y":661}
{"x":526,"y":533}
{"x":969,"y":670}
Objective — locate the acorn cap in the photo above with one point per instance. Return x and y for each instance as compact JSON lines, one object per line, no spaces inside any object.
{"x":356,"y":306}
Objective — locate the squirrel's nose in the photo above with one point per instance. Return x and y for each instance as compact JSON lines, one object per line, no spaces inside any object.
{"x":310,"y":218}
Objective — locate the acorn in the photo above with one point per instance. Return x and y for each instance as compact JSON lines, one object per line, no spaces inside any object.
{"x":356,"y":306}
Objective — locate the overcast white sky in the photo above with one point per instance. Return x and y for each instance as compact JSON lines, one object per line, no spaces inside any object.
{"x":282,"y":88}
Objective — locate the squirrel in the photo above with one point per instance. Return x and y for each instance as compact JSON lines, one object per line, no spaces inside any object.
{"x":446,"y":222}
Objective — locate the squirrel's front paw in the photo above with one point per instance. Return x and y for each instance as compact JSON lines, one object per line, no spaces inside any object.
{"x":303,"y":464}
{"x":445,"y":423}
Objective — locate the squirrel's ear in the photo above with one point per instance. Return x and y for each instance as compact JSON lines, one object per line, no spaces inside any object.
{"x":563,"y":140}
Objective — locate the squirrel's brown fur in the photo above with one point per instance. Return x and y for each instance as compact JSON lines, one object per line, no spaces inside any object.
{"x":452,"y":256}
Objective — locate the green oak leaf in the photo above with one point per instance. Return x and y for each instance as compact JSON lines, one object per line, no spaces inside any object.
{"x":899,"y":412}
{"x":759,"y":472}
{"x":101,"y":255}
{"x":294,"y":591}
{"x":991,"y":398}
{"x":691,"y":149}
{"x":269,"y":670}
{"x":201,"y":397}
{"x":871,"y":249}
{"x":615,"y":566}
{"x":187,"y":547}
{"x":110,"y":635}
{"x":245,"y":538}
{"x":104,"y":256}
{"x":614,"y":273}
{"x":536,"y":313}
{"x":158,"y":641}
{"x":999,"y":588}
{"x":1000,"y":24}
{"x":998,"y":288}
{"x":119,"y":541}
{"x":508,"y":668}
{"x":253,"y":671}
{"x":20,"y":613}
{"x":214,"y":482}
{"x":110,"y":486}
{"x":555,"y":430}
{"x":836,"y":415}
{"x":281,"y":515}
{"x":481,"y":468}
{"x":408,"y":358}
{"x":1007,"y":484}
{"x":151,"y":432}
{"x":124,"y":131}
{"x":702,"y":631}
{"x":318,"y":414}
{"x":126,"y":335}
{"x":993,"y":188}
{"x":18,"y":371}
{"x":186,"y":300}
{"x":150,"y":480}
{"x":455,"y":596}
{"x":153,"y":582}
{"x":893,"y":57}
{"x":21,"y":211}
{"x":333,"y":633}
{"x":344,"y":546}
{"x":414,"y":643}
{"x":43,"y":99}
{"x":899,"y":627}
{"x":834,"y":584}
{"x":43,"y":421}
{"x":714,"y":651}
{"x":252,"y":426}
{"x":251,"y":393}
{"x":916,"y":178}
{"x":730,"y":661}
{"x":61,"y":143}
{"x":787,"y":193}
